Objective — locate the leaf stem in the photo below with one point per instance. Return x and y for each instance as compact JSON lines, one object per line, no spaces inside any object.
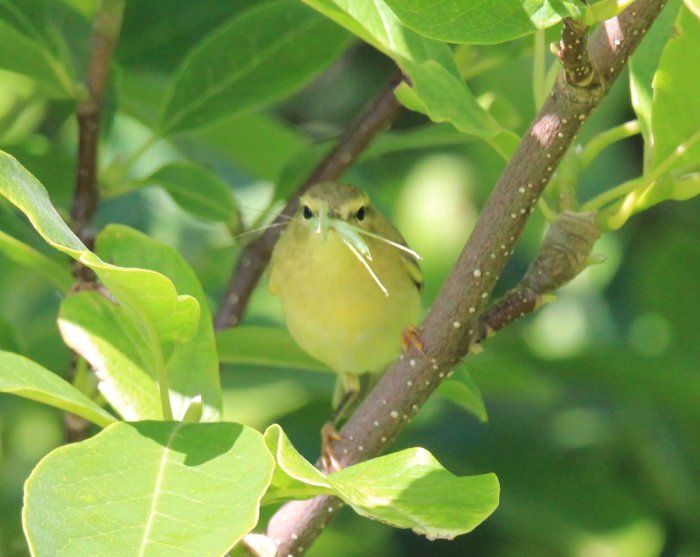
{"x":599,"y":142}
{"x":161,"y":373}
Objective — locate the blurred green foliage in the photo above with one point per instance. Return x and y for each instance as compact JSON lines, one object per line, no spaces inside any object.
{"x":593,"y":402}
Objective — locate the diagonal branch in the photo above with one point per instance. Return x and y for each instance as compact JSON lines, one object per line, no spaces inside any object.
{"x":253,"y":260}
{"x":452,"y":322}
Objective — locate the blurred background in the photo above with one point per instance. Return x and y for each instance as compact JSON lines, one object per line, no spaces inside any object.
{"x":593,"y":402}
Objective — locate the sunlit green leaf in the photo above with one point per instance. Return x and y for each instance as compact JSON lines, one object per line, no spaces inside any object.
{"x":164,"y":319}
{"x":150,"y":489}
{"x":101,"y":332}
{"x":675,"y":113}
{"x":475,"y":21}
{"x":410,"y":489}
{"x":434,"y":79}
{"x":294,"y":476}
{"x":407,"y":489}
{"x":192,"y":366}
{"x":643,"y":65}
{"x":24,"y":378}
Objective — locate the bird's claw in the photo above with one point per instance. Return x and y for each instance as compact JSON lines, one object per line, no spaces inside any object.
{"x":409,"y":339}
{"x":329,"y":434}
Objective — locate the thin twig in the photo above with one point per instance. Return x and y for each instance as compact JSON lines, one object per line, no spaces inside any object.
{"x":451,"y":325}
{"x":105,"y":32}
{"x":573,"y":53}
{"x":253,"y":260}
{"x":565,"y":253}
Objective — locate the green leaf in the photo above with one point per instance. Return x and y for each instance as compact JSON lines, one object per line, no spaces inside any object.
{"x":53,"y":271}
{"x":27,"y":379}
{"x":410,"y":489}
{"x":164,"y":319}
{"x":198,"y":191}
{"x":101,"y":332}
{"x":294,"y":476}
{"x":436,"y":86}
{"x":264,"y":346}
{"x":643,"y":66}
{"x":463,"y":391}
{"x":676,"y":112}
{"x":29,"y":56}
{"x":282,"y":143}
{"x":407,"y":489}
{"x":192,"y":367}
{"x":669,"y":188}
{"x":8,"y":337}
{"x":150,"y":489}
{"x":153,"y":313}
{"x":478,"y":22}
{"x":255,"y":58}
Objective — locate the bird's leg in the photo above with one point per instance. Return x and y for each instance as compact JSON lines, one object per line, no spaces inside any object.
{"x":409,"y":338}
{"x":349,"y":386}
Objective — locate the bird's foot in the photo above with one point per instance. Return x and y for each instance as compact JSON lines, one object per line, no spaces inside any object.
{"x":409,"y":339}
{"x":329,"y":434}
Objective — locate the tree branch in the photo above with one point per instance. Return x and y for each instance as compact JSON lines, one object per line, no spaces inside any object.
{"x":452,"y":322}
{"x":253,"y":260}
{"x":565,"y":252}
{"x":105,"y":32}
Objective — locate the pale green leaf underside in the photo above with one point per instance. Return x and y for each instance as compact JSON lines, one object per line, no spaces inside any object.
{"x":22,"y":377}
{"x":100,"y":332}
{"x":192,"y":366}
{"x":150,"y":489}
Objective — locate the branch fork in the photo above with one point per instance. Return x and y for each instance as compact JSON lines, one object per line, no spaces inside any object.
{"x":453,"y":323}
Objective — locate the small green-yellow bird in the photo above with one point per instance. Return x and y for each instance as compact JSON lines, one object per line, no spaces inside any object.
{"x":349,"y":285}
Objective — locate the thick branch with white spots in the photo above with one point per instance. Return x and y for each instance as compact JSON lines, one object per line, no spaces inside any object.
{"x":452,"y":323}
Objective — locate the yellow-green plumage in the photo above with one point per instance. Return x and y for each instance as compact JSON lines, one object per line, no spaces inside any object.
{"x":333,"y":306}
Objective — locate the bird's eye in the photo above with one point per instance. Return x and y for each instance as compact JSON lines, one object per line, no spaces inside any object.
{"x":306,"y":211}
{"x":360,"y":215}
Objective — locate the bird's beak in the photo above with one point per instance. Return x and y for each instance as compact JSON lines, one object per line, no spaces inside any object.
{"x":323,"y":223}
